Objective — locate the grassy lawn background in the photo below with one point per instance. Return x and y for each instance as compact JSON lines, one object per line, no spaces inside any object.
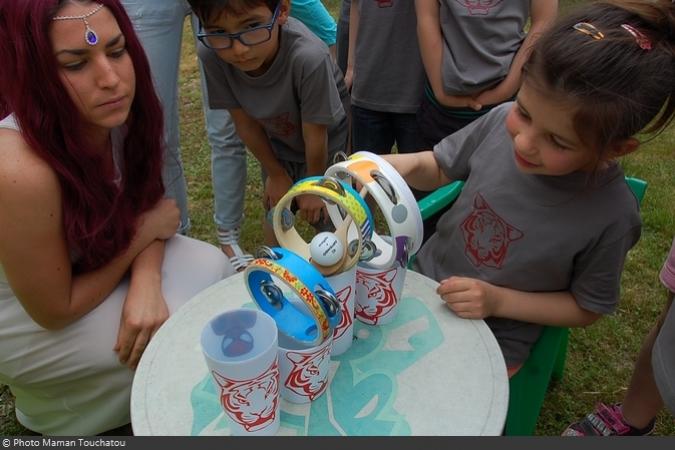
{"x":600,"y":358}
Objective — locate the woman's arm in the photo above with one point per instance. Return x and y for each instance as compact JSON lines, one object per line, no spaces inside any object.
{"x":470,"y":298}
{"x":543,"y":13}
{"x":144,"y":309}
{"x":33,"y":249}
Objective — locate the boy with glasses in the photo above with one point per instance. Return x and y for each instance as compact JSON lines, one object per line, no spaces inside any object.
{"x":285,"y":94}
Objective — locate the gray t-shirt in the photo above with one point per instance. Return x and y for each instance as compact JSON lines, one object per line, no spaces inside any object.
{"x":531,"y":233}
{"x":302,"y":85}
{"x":388,"y":70}
{"x":480,"y":40}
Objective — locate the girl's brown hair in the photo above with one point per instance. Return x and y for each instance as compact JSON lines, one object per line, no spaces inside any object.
{"x":620,"y":87}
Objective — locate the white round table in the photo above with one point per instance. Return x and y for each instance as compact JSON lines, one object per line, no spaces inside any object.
{"x":426,"y":373}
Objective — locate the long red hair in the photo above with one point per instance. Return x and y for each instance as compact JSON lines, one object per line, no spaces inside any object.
{"x":99,"y":217}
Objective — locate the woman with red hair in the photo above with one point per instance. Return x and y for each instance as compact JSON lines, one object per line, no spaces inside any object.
{"x":90,"y":265}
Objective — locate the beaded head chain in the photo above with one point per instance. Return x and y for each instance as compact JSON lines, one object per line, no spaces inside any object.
{"x":90,"y":35}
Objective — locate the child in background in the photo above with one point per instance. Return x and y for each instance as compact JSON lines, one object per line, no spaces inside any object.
{"x":228,"y":154}
{"x":386,"y":76}
{"x":652,"y":383}
{"x":541,"y":229}
{"x":473,"y":53}
{"x":159,"y":24}
{"x":283,"y":90}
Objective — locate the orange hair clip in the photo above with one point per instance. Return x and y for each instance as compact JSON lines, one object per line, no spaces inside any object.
{"x":589,"y":29}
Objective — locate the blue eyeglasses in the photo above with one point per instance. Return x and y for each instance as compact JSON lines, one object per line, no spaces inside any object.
{"x":252,"y":36}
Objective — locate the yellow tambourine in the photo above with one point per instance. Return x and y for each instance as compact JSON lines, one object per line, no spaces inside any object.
{"x":395,"y":200}
{"x":330,"y":253}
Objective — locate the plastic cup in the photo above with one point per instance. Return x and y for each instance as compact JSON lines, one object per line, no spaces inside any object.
{"x":344,"y":286}
{"x":378,"y":292}
{"x":240,"y":348}
{"x":303,"y":371}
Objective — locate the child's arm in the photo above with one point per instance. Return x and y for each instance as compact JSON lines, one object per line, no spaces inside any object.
{"x":316,"y":158}
{"x":431,"y":50}
{"x":254,"y":137}
{"x":470,"y":298}
{"x":542,"y":15}
{"x":354,"y":18}
{"x":420,"y":170}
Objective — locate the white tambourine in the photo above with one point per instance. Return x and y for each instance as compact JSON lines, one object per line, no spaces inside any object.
{"x":395,"y":200}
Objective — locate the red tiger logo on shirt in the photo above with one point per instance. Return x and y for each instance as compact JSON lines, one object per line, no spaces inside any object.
{"x":345,"y":318}
{"x":479,"y":7}
{"x":385,"y":3}
{"x":280,"y":125}
{"x":303,"y":378}
{"x":381,"y":295}
{"x":487,"y":236}
{"x":247,"y":401}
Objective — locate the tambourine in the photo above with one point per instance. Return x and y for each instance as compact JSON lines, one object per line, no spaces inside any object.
{"x":306,"y":282}
{"x":350,"y":208}
{"x":396,"y":201}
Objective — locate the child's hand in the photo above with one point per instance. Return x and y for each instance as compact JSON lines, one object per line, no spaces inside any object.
{"x":469,"y":298}
{"x":312,"y":208}
{"x":276,"y":187}
{"x":460,"y":101}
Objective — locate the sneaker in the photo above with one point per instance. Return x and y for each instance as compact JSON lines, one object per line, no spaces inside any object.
{"x":606,"y":420}
{"x":238,"y":258}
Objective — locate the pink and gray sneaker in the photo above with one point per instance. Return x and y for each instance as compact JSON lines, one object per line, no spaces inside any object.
{"x":606,"y":420}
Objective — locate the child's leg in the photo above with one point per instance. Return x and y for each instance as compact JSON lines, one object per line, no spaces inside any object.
{"x":663,"y":355}
{"x":663,"y":360}
{"x":651,"y":382}
{"x":643,"y":400}
{"x":268,"y":234}
{"x":372,"y":131}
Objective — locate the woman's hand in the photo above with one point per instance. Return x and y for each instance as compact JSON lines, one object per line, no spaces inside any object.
{"x":144,"y":311}
{"x":469,"y":298}
{"x":162,"y":221}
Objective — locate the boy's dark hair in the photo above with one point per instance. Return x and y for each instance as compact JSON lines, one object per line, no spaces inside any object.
{"x":208,"y":10}
{"x":619,"y":87}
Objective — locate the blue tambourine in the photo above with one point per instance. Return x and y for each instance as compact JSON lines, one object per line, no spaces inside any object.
{"x":306,"y":282}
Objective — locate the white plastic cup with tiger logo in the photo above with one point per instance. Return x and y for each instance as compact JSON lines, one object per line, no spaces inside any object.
{"x":240,"y":347}
{"x":303,"y":371}
{"x":378,"y":292}
{"x":344,"y":286}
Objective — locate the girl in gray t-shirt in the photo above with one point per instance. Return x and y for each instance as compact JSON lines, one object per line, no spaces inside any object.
{"x":542,"y":227}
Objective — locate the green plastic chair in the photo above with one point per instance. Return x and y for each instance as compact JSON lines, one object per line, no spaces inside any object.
{"x":527,"y":389}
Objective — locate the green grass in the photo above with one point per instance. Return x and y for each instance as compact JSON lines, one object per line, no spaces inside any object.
{"x":600,"y":358}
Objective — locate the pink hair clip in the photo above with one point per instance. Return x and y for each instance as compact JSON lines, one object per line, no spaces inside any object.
{"x":642,"y":41}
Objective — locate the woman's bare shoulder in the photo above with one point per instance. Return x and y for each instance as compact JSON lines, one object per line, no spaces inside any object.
{"x":22,"y":171}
